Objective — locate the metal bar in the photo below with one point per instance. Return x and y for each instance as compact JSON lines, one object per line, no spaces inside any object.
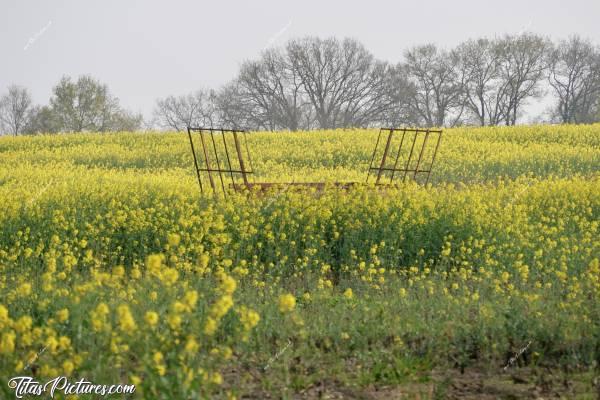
{"x":222,"y":170}
{"x":433,"y":158}
{"x":212,"y":136}
{"x":399,"y":170}
{"x":421,"y":154}
{"x":373,"y":157}
{"x":409,"y":157}
{"x":412,"y":130}
{"x":212,"y":183}
{"x":215,"y":129}
{"x":195,"y":160}
{"x":248,"y":151}
{"x":319,"y":185}
{"x":239,"y":153}
{"x":398,"y":155}
{"x":228,"y":159}
{"x":385,"y":153}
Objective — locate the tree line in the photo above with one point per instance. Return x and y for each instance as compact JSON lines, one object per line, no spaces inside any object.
{"x":84,"y":105}
{"x":314,"y":83}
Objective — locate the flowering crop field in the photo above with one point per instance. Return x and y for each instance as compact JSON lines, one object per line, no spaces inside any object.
{"x":113,"y":268}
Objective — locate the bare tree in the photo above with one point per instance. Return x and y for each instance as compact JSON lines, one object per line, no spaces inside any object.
{"x":574,"y":76}
{"x":123,"y":121}
{"x":15,"y":108}
{"x":274,"y":90}
{"x":337,"y":77}
{"x":327,"y":83}
{"x":180,"y":112}
{"x":438,"y":98}
{"x":315,"y":83}
{"x":479,"y":62}
{"x":234,"y":110}
{"x":398,"y":92}
{"x":522,"y":68}
{"x":376,"y":99}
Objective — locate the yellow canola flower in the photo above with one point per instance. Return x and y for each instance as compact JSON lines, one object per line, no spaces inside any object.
{"x":210,"y":326}
{"x":136,"y":380}
{"x":191,"y":298}
{"x":23,"y":324}
{"x":64,"y":343}
{"x":287,"y":303}
{"x":62,"y":315}
{"x":221,"y":307}
{"x":191,"y":345}
{"x":173,"y":239}
{"x":227,"y":285}
{"x":216,"y":378}
{"x":249,"y":318}
{"x":158,"y":359}
{"x":169,"y":276}
{"x":203,"y":240}
{"x":125,"y":319}
{"x":7,"y":343}
{"x":348,"y":293}
{"x":51,"y":343}
{"x":118,"y":271}
{"x":102,"y":309}
{"x":179,"y":307}
{"x":3,"y":316}
{"x":151,"y":318}
{"x":154,"y":264}
{"x":68,"y":367}
{"x":174,"y":321}
{"x":24,"y":290}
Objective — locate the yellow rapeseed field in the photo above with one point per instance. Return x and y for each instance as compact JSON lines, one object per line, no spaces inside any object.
{"x":114,"y":268}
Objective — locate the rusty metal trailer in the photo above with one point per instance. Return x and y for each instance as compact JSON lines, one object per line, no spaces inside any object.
{"x":221,"y":155}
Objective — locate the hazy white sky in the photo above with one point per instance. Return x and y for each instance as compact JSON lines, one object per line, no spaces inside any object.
{"x":149,"y":49}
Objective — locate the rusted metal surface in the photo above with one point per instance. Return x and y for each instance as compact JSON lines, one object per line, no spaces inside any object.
{"x":265,"y":186}
{"x":420,"y":138}
{"x":210,"y":155}
{"x":240,"y":157}
{"x":437,"y":145}
{"x":397,"y":155}
{"x":239,"y":172}
{"x":195,"y":160}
